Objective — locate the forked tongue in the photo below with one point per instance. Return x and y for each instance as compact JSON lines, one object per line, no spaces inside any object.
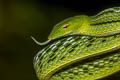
{"x":39,"y":43}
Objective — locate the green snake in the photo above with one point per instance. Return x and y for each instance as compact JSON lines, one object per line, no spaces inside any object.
{"x":92,"y":55}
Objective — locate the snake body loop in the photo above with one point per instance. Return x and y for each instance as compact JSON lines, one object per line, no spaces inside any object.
{"x":83,"y":57}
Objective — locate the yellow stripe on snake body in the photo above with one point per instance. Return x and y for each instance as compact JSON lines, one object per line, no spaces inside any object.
{"x":83,"y":57}
{"x":63,"y":53}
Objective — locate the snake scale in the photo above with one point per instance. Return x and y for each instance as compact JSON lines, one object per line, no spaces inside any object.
{"x":91,"y":55}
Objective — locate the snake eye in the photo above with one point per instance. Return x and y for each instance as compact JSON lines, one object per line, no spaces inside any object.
{"x":65,"y":26}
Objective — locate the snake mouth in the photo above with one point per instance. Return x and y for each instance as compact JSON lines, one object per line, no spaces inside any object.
{"x":62,"y":36}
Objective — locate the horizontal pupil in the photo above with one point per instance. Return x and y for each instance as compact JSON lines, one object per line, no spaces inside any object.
{"x":65,"y":26}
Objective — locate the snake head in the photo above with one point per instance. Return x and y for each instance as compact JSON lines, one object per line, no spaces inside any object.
{"x":67,"y":27}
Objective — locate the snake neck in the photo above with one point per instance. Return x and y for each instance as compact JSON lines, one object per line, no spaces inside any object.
{"x":105,"y":23}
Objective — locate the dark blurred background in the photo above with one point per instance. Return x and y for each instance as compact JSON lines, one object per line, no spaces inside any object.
{"x":19,"y":19}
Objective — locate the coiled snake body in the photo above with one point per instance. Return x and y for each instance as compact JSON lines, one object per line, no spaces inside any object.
{"x":83,"y":57}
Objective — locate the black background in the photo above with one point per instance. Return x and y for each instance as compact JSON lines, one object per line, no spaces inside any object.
{"x":19,"y":19}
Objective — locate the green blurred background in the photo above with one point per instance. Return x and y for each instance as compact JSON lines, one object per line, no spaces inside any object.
{"x":19,"y":19}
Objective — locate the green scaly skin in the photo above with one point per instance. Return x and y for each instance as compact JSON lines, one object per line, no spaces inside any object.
{"x":83,"y":57}
{"x":105,"y":23}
